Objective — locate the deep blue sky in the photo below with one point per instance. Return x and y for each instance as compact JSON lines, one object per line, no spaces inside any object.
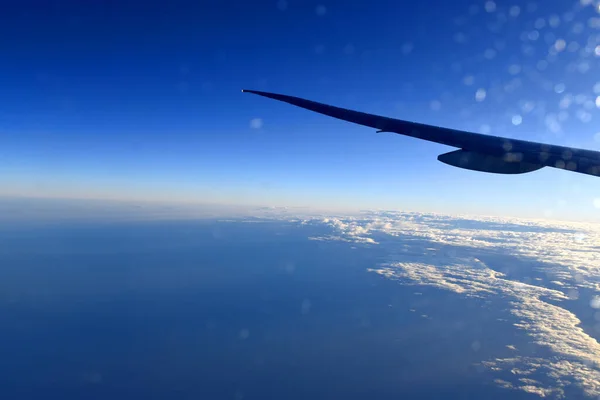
{"x":126,"y":100}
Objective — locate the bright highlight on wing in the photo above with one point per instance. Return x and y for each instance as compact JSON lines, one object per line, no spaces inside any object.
{"x":478,"y":152}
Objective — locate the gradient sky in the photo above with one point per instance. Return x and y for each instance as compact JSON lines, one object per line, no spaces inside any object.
{"x":130,"y":100}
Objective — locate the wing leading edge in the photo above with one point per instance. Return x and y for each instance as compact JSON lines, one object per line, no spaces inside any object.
{"x":478,"y":152}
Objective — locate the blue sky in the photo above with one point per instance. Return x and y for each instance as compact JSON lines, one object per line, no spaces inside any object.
{"x":142,"y":102}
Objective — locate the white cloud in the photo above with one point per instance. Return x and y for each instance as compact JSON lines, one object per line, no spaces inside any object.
{"x":449,"y":254}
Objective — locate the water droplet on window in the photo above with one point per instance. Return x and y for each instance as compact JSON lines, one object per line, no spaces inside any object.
{"x":256,"y":123}
{"x":533,"y":35}
{"x":584,"y":116}
{"x":560,"y":45}
{"x":490,"y":6}
{"x":282,"y":5}
{"x":321,"y":10}
{"x":407,"y":48}
{"x":514,"y":11}
{"x":540,"y":23}
{"x":573,"y":47}
{"x":554,"y":21}
{"x":514,"y":69}
{"x":578,"y":27}
{"x":583,"y":67}
{"x":559,"y":87}
{"x":470,"y":79}
{"x":244,"y":334}
{"x":489,"y":54}
{"x":435,"y":105}
{"x":480,"y":94}
{"x":517,"y":120}
{"x":598,"y":102}
{"x":460,"y":37}
{"x":485,"y":129}
{"x":305,"y":307}
{"x":542,"y":65}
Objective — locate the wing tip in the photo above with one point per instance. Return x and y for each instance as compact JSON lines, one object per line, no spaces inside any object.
{"x":251,"y":91}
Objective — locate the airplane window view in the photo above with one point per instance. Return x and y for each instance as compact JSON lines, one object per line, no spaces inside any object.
{"x":294,"y":199}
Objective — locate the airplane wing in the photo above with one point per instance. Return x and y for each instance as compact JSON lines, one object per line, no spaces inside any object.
{"x":476,"y":152}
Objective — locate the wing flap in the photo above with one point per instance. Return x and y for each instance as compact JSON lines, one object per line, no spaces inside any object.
{"x":509,"y":164}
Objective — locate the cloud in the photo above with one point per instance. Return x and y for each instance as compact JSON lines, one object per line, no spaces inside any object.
{"x":477,"y":258}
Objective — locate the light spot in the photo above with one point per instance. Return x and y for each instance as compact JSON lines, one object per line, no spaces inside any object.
{"x":470,"y":79}
{"x":563,"y":116}
{"x":559,"y":87}
{"x":597,"y":88}
{"x":514,"y":69}
{"x":435,"y":105}
{"x":289,"y":268}
{"x":554,"y":21}
{"x":282,"y":5}
{"x":573,"y":294}
{"x":490,"y":6}
{"x":528,"y":106}
{"x":476,"y":346}
{"x":584,"y":116}
{"x":583,"y":67}
{"x":517,"y":120}
{"x":573,"y":47}
{"x":480,"y":95}
{"x":598,"y":101}
{"x":578,"y":27}
{"x":540,"y":23}
{"x":489,"y":54}
{"x":597,"y":51}
{"x":321,"y":10}
{"x":560,"y":164}
{"x":514,"y":11}
{"x":407,"y":48}
{"x":560,"y":45}
{"x":305,"y":307}
{"x":244,"y":334}
{"x":485,"y":129}
{"x":460,"y":37}
{"x":542,"y":65}
{"x":256,"y":123}
{"x":595,"y":302}
{"x":533,"y":35}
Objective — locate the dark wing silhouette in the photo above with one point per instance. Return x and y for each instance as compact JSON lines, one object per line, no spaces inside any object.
{"x":477,"y":152}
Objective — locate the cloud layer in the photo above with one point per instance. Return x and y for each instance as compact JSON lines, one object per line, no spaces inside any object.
{"x":539,"y":268}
